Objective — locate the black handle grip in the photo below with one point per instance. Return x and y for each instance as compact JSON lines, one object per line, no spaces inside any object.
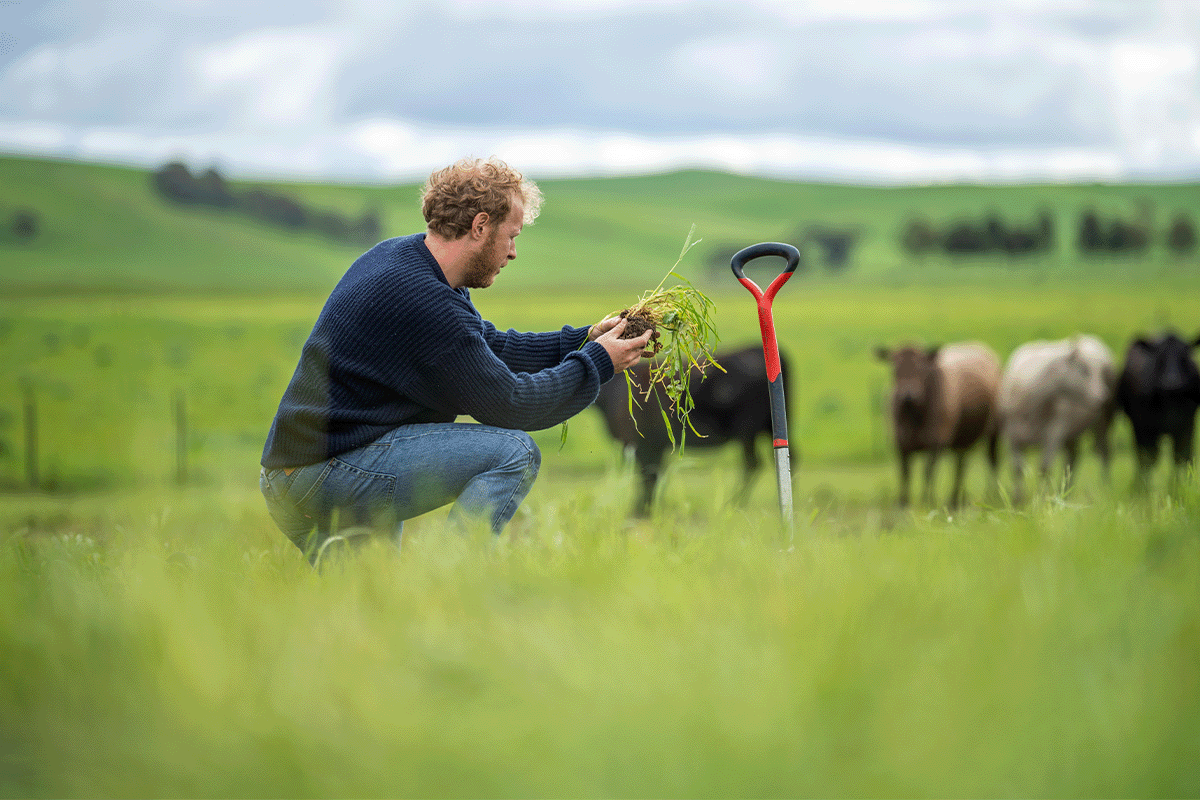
{"x":741,"y":257}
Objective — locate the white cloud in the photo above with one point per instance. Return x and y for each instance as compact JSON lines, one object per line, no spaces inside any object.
{"x":735,"y":69}
{"x":271,"y":77}
{"x":390,"y":151}
{"x":38,"y":138}
{"x":1155,"y":104}
{"x":883,"y":90}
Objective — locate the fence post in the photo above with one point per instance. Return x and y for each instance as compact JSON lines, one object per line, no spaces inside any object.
{"x":180,"y":437}
{"x":31,"y":438}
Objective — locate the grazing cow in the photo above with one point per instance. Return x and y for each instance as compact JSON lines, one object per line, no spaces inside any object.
{"x":1050,"y":395}
{"x":943,"y":398}
{"x":1159,"y":390}
{"x":730,"y":406}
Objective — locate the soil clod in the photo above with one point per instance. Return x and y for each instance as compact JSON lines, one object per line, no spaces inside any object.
{"x":638,"y":323}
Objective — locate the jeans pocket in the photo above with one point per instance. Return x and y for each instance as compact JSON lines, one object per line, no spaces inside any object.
{"x":277,"y":482}
{"x":305,"y":482}
{"x":362,"y":497}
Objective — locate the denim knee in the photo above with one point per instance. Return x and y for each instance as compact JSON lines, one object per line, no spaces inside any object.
{"x":526,"y":449}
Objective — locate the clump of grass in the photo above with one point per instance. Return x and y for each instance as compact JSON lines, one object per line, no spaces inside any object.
{"x":684,"y":314}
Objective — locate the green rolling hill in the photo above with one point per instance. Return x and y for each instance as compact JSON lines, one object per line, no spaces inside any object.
{"x":104,"y":229}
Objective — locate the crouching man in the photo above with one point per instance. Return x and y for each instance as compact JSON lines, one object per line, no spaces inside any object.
{"x":366,"y":434}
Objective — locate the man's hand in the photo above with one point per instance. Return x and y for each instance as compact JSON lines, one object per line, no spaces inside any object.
{"x":623,"y":352}
{"x":602,"y":327}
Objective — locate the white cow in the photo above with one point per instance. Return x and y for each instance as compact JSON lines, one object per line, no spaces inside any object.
{"x":1051,"y":393}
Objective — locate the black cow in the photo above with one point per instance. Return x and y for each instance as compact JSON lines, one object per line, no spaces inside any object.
{"x":731,"y":406}
{"x":1159,"y":390}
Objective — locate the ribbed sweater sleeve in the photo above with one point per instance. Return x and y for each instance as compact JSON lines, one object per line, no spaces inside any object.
{"x":474,"y":381}
{"x":530,"y":352}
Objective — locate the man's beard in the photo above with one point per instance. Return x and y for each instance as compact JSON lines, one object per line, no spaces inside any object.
{"x":481,"y":267}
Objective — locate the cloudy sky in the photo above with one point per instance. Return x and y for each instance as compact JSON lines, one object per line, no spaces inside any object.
{"x":882,"y":91}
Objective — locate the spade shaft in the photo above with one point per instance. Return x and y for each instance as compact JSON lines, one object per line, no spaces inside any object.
{"x":766,"y":322}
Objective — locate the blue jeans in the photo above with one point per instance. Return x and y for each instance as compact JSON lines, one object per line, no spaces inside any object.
{"x":485,"y":471}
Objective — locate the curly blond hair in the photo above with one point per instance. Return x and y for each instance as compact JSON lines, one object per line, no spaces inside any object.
{"x":453,"y":195}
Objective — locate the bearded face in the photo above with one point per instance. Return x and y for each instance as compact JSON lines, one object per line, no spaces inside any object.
{"x":485,"y":263}
{"x":498,"y":249}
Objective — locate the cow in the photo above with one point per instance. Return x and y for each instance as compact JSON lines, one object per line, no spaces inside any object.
{"x":730,"y":406}
{"x":943,"y":399}
{"x":1053,"y":392}
{"x":1159,"y":390}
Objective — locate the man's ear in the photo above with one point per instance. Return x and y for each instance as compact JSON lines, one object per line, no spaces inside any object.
{"x":479,"y":224}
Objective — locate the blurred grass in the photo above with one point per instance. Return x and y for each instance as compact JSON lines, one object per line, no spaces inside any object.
{"x":189,"y":652}
{"x":166,"y":640}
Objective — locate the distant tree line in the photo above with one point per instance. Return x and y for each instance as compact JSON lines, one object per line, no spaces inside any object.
{"x":1096,"y":235}
{"x":988,"y":235}
{"x":176,"y":183}
{"x":830,"y":247}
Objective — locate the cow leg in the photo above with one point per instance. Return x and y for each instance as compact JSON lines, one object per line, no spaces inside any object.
{"x":1018,"y":464}
{"x":648,"y":466}
{"x":1181,"y":445}
{"x":1100,"y":435}
{"x":1071,"y":450}
{"x":751,"y":464}
{"x":1052,"y":443}
{"x":905,"y":456}
{"x":930,"y":473}
{"x":993,"y":458}
{"x":1145,"y":442}
{"x":960,"y":467}
{"x":1147,"y":457}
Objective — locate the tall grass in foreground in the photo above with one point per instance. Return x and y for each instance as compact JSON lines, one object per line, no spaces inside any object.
{"x":178,"y":646}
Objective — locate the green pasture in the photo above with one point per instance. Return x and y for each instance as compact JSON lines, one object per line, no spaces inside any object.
{"x":105,"y":374}
{"x":161,"y":638}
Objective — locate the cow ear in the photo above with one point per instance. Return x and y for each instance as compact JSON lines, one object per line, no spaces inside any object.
{"x":933,"y":351}
{"x":883,"y":353}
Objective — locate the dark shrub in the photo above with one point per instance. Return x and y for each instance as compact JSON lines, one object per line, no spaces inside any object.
{"x":919,"y":237}
{"x":274,"y":208}
{"x":1181,"y":237}
{"x":25,"y":224}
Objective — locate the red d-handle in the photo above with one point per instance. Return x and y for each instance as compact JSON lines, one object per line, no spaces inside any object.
{"x":747,"y":254}
{"x":765,"y":321}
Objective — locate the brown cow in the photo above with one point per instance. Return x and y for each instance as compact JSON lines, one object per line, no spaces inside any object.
{"x":944,"y":398}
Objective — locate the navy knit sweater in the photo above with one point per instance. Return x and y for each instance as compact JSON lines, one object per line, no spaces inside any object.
{"x":395,"y":345}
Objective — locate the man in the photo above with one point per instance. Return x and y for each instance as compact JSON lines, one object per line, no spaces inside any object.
{"x":365,"y":433}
